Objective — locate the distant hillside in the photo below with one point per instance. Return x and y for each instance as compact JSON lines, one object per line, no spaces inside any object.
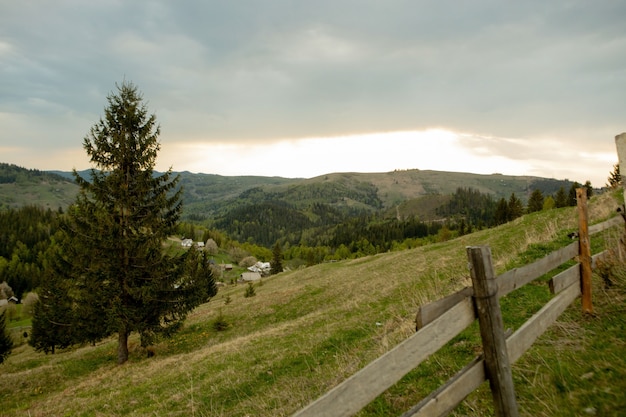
{"x":266,"y":209}
{"x":210,"y":195}
{"x":20,"y":187}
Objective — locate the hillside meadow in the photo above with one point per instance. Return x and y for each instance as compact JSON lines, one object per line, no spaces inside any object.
{"x":307,"y":330}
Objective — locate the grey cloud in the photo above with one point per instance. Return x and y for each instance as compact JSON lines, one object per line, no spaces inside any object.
{"x":256,"y":71}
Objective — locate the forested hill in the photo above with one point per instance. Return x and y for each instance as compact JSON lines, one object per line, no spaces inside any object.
{"x":212,"y":196}
{"x":266,"y":209}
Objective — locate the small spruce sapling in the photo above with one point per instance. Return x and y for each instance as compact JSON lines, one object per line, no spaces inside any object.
{"x":250,"y":291}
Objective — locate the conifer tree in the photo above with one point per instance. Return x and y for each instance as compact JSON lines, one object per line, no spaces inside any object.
{"x":6,"y":343}
{"x":120,"y":219}
{"x":571,"y":198}
{"x":277,"y":259}
{"x":516,"y":208}
{"x":615,"y":178}
{"x":535,"y":202}
{"x":501,"y":214}
{"x":589,"y":189}
{"x":52,"y":323}
{"x":560,"y":200}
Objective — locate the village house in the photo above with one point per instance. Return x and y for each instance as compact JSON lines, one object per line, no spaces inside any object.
{"x":250,"y":277}
{"x":10,"y":300}
{"x":187,"y":243}
{"x":262,"y":268}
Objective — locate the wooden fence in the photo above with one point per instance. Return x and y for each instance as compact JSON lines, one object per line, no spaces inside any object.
{"x":440,"y":321}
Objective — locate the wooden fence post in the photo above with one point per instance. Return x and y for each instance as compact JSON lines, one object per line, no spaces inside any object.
{"x":584,"y":251}
{"x":497,"y":366}
{"x":620,"y":144}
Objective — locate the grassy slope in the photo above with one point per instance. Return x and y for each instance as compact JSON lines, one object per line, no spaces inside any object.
{"x":307,"y":330}
{"x":48,"y":194}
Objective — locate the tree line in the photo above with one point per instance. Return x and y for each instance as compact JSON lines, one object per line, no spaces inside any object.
{"x":25,"y":243}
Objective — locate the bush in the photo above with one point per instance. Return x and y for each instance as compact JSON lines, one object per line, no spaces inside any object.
{"x":237,"y":254}
{"x":5,"y":291}
{"x":247,"y":261}
{"x":211,"y":247}
{"x":28,"y":304}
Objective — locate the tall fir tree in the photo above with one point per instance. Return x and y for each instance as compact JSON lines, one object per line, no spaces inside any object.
{"x":535,"y":202}
{"x":560,"y":200}
{"x":501,"y":214}
{"x":121,"y":217}
{"x":6,"y":343}
{"x":516,"y":207}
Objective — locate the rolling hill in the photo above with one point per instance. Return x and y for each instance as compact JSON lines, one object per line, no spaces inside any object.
{"x":20,"y":187}
{"x":307,"y":330}
{"x":266,"y":209}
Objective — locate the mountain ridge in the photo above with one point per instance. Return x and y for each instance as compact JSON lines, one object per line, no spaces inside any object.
{"x":264,"y":209}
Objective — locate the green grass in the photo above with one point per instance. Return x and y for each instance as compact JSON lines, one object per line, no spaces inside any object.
{"x":306,"y":331}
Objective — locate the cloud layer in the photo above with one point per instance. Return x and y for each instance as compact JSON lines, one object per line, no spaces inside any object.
{"x":526,"y":81}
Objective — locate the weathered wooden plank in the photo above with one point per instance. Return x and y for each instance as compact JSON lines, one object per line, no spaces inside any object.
{"x":489,"y":314}
{"x":360,"y":389}
{"x":429,"y":312}
{"x":564,"y":279}
{"x":526,"y":335}
{"x":614,"y":221}
{"x":442,"y":401}
{"x":598,"y":257}
{"x":572,"y":275}
{"x":447,"y":397}
{"x":518,"y":277}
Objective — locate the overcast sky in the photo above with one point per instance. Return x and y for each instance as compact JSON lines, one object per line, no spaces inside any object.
{"x":304,"y":88}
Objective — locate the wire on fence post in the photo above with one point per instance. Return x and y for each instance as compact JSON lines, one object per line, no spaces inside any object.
{"x":497,"y":365}
{"x":584,"y":254}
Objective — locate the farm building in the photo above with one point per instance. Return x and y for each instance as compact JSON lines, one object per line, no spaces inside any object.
{"x":250,"y":276}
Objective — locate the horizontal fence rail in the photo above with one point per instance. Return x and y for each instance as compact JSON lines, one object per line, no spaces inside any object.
{"x":440,"y":321}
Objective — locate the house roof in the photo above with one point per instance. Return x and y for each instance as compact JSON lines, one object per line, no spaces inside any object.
{"x":250,"y":276}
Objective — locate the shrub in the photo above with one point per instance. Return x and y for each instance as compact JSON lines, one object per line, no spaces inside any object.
{"x":237,"y":254}
{"x":5,"y":291}
{"x":211,"y":247}
{"x":28,"y":304}
{"x":247,"y":261}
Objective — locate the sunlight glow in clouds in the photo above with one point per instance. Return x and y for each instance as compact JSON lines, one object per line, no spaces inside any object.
{"x":305,"y":158}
